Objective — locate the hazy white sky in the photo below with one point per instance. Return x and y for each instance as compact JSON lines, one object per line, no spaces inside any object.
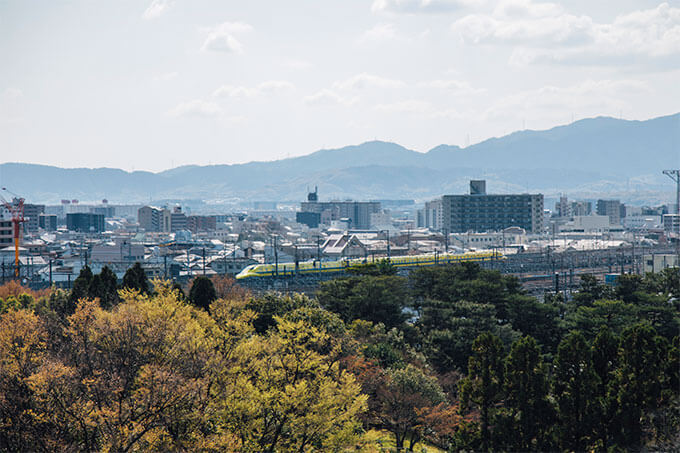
{"x":155,"y":84}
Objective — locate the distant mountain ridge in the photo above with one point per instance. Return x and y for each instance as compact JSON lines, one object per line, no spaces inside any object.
{"x":599,"y":154}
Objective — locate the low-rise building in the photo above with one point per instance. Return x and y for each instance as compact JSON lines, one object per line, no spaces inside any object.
{"x":344,"y":246}
{"x":657,"y":263}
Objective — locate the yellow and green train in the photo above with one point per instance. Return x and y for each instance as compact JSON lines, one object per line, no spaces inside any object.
{"x":314,"y":267}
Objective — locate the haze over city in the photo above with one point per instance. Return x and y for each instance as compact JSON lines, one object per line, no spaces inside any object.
{"x":370,"y":226}
{"x":159,"y":84}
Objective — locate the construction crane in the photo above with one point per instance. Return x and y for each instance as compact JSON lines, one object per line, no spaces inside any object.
{"x":16,"y":211}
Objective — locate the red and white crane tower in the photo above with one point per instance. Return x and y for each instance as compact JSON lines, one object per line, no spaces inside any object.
{"x":16,"y":212}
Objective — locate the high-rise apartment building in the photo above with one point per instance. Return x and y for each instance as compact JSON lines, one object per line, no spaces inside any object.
{"x":611,"y":208}
{"x":431,"y":216}
{"x":152,"y":218}
{"x":581,"y":208}
{"x":483,"y":212}
{"x":149,"y":218}
{"x":32,"y":216}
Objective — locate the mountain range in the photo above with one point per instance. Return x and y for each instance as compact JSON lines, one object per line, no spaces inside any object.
{"x":589,"y":158}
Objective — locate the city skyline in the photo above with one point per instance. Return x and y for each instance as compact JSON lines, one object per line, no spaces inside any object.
{"x":159,"y":84}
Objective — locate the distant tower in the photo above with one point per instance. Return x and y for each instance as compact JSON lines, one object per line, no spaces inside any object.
{"x":313,"y":196}
{"x":478,"y":187}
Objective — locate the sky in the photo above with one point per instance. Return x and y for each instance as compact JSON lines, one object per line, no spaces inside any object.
{"x":155,"y":84}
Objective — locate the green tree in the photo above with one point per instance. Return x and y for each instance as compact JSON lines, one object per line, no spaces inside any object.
{"x":449,"y":329}
{"x":575,"y":389}
{"x":110,"y":284}
{"x":535,"y":319}
{"x":135,"y":278}
{"x":526,"y":390}
{"x":605,"y":360}
{"x":483,"y":386}
{"x":616,"y":315}
{"x":380,"y":267}
{"x":665,"y":282}
{"x":639,"y":377}
{"x":379,"y":299}
{"x":202,"y":292}
{"x":466,"y":281}
{"x":104,"y":286}
{"x":590,"y":290}
{"x":81,"y":285}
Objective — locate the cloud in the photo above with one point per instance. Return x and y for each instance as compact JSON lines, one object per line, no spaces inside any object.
{"x":12,"y":93}
{"x":457,"y":87}
{"x":165,"y":77}
{"x":546,"y":33}
{"x":406,"y":106}
{"x":270,"y":87}
{"x":379,"y":32}
{"x":328,"y":97}
{"x":294,"y":63}
{"x":562,"y":29}
{"x":423,"y":6}
{"x":365,"y":81}
{"x":420,"y":108}
{"x":197,"y":108}
{"x":156,"y":8}
{"x":221,"y":38}
{"x":587,"y":98}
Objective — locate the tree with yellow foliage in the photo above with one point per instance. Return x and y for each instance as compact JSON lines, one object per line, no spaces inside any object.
{"x":283,"y":394}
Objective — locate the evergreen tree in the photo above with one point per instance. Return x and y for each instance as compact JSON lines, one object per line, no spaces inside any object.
{"x":110,"y":284}
{"x":135,"y":278}
{"x":527,"y":396}
{"x":640,"y":378}
{"x":104,"y":287}
{"x":96,"y":290}
{"x":381,"y":298}
{"x":202,"y":292}
{"x":575,"y":389}
{"x":604,"y":354}
{"x":81,"y":285}
{"x":483,"y":386}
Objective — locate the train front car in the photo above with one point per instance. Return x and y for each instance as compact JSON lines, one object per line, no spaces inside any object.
{"x":247,"y":272}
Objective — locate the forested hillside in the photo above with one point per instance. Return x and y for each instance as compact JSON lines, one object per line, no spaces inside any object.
{"x":455,"y":358}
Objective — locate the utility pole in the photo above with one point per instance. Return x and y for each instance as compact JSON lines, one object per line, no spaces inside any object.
{"x":318,"y":249}
{"x":276,"y":255}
